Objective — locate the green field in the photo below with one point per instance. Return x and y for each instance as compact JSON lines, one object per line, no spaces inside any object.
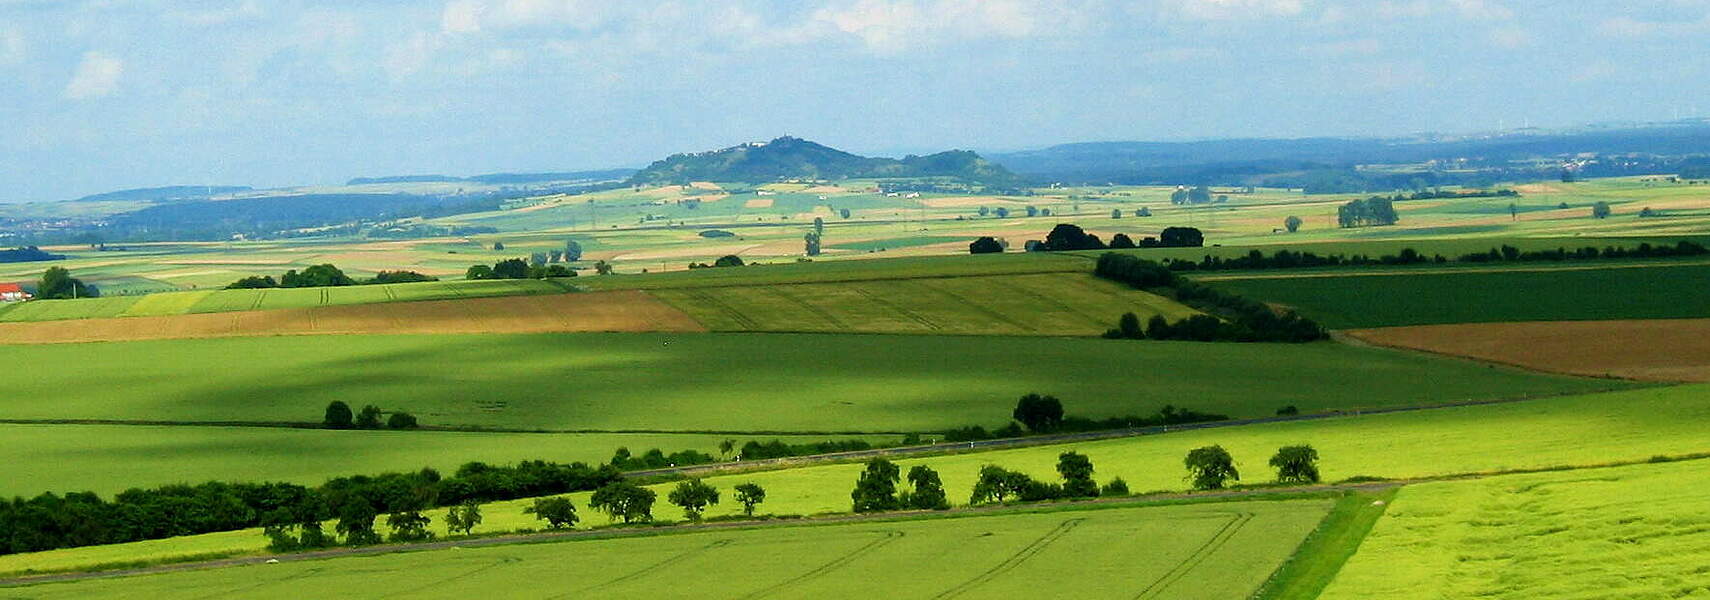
{"x":1352,"y":300}
{"x":210,"y":301}
{"x":1207,"y":551}
{"x":1629,"y":532}
{"x":850,"y":270}
{"x":1551,"y":433}
{"x":1041,"y":304}
{"x":726,"y":382}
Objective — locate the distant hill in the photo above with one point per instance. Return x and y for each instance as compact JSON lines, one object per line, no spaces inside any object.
{"x":1303,"y":162}
{"x":164,"y":194}
{"x":796,"y":158}
{"x":501,"y":178}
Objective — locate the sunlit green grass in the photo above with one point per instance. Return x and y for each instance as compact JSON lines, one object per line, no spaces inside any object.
{"x":1210,"y":551}
{"x":1628,"y":532}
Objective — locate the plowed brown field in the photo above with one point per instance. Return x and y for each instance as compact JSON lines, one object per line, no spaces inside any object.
{"x":595,"y":311}
{"x":1650,"y":350}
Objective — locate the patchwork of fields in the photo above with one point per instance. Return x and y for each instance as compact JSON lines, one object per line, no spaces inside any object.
{"x":602,"y":311}
{"x":1211,"y":551}
{"x":1043,"y":304}
{"x":1638,"y":531}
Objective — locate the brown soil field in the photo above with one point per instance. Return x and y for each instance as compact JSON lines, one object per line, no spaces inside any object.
{"x":758,"y":203}
{"x":626,"y":311}
{"x":1648,"y":350}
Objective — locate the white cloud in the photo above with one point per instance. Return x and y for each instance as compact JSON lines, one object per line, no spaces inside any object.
{"x":466,"y":16}
{"x":1235,"y":9}
{"x":1510,"y":37}
{"x":411,"y":55}
{"x":12,"y":47}
{"x":96,"y":76}
{"x":891,"y":25}
{"x":1354,"y":47}
{"x":1482,"y":10}
{"x":1624,"y":26}
{"x":217,"y":16}
{"x":461,"y":16}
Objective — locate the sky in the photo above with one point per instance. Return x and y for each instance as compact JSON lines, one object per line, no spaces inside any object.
{"x":109,"y":94}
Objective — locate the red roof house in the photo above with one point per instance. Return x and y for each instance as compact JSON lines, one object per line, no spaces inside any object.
{"x":12,"y":292}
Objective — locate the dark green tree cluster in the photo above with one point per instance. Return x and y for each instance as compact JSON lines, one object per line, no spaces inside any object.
{"x":750,"y":495}
{"x":1682,"y":248}
{"x":624,"y":500}
{"x":516,"y":268}
{"x":1231,"y":319}
{"x":324,"y":276}
{"x":1046,"y":412}
{"x":58,"y":284}
{"x":728,"y":260}
{"x":557,"y":511}
{"x":985,"y":245}
{"x":339,"y":416}
{"x":876,"y":489}
{"x":756,"y":450}
{"x":27,"y":254}
{"x":658,"y":459}
{"x":1041,"y":414}
{"x":1210,"y":468}
{"x":693,"y":496}
{"x":290,"y":514}
{"x":997,"y":484}
{"x":1376,"y":210}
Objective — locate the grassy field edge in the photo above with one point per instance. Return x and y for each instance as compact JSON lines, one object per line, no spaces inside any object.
{"x":1305,"y":574}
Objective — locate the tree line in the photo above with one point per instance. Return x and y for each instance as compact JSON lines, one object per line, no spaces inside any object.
{"x":1255,"y":260}
{"x":516,"y":268}
{"x":289,"y":512}
{"x":1229,"y":318}
{"x":1067,"y":237}
{"x":27,"y":254}
{"x":1041,"y":414}
{"x":324,"y":276}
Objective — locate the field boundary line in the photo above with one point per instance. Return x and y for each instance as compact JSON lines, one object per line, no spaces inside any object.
{"x":719,"y":305}
{"x":1198,"y":557}
{"x":882,"y":302}
{"x":649,"y":569}
{"x":502,"y":561}
{"x":980,"y":308}
{"x":1014,"y":560}
{"x":829,"y":566}
{"x":1272,"y":274}
{"x":787,"y":294}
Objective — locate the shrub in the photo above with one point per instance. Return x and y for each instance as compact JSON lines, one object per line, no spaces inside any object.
{"x":401,"y":420}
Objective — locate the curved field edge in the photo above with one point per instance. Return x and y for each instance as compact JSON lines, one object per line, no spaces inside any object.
{"x":1192,"y":553}
{"x":1321,"y":556}
{"x":1649,"y":350}
{"x":1545,"y":434}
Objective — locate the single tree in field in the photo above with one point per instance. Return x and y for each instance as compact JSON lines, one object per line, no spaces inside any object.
{"x":479,"y":272}
{"x":750,"y":494}
{"x":408,"y":526}
{"x":369,"y":418}
{"x":819,"y":225}
{"x":602,"y":268}
{"x":927,"y":492}
{"x":511,"y":268}
{"x":728,"y":260}
{"x":624,"y":500}
{"x":985,"y":245}
{"x":401,"y":420}
{"x":1296,"y":464}
{"x":1039,"y":413}
{"x":1293,"y":223}
{"x":1143,"y":212}
{"x":725,"y":446}
{"x":557,"y":511}
{"x":1115,"y":213}
{"x":1121,"y":241}
{"x":1210,"y":468}
{"x":58,"y":284}
{"x":694,"y":496}
{"x":985,"y":211}
{"x":811,"y":240}
{"x":1600,"y":210}
{"x":463,"y":517}
{"x":1129,"y":327}
{"x":876,"y":489}
{"x":337,"y":415}
{"x":498,"y":246}
{"x":572,"y":251}
{"x":356,"y":523}
{"x":1077,"y":472}
{"x":997,"y":484}
{"x":1116,"y":487}
{"x":843,"y":212}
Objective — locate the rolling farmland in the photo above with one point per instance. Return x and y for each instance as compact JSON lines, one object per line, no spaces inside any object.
{"x":217,"y":301}
{"x":728,"y":382}
{"x":1208,"y":551}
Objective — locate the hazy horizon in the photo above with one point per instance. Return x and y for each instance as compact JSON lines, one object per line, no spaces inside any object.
{"x":112,"y":95}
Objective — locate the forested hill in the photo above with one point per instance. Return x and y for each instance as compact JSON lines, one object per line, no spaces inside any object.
{"x":795,"y":158}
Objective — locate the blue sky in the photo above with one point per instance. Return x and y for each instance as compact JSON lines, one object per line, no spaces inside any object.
{"x":110,"y":94}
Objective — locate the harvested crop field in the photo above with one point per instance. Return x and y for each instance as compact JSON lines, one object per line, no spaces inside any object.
{"x":1650,"y":350}
{"x":596,"y":311}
